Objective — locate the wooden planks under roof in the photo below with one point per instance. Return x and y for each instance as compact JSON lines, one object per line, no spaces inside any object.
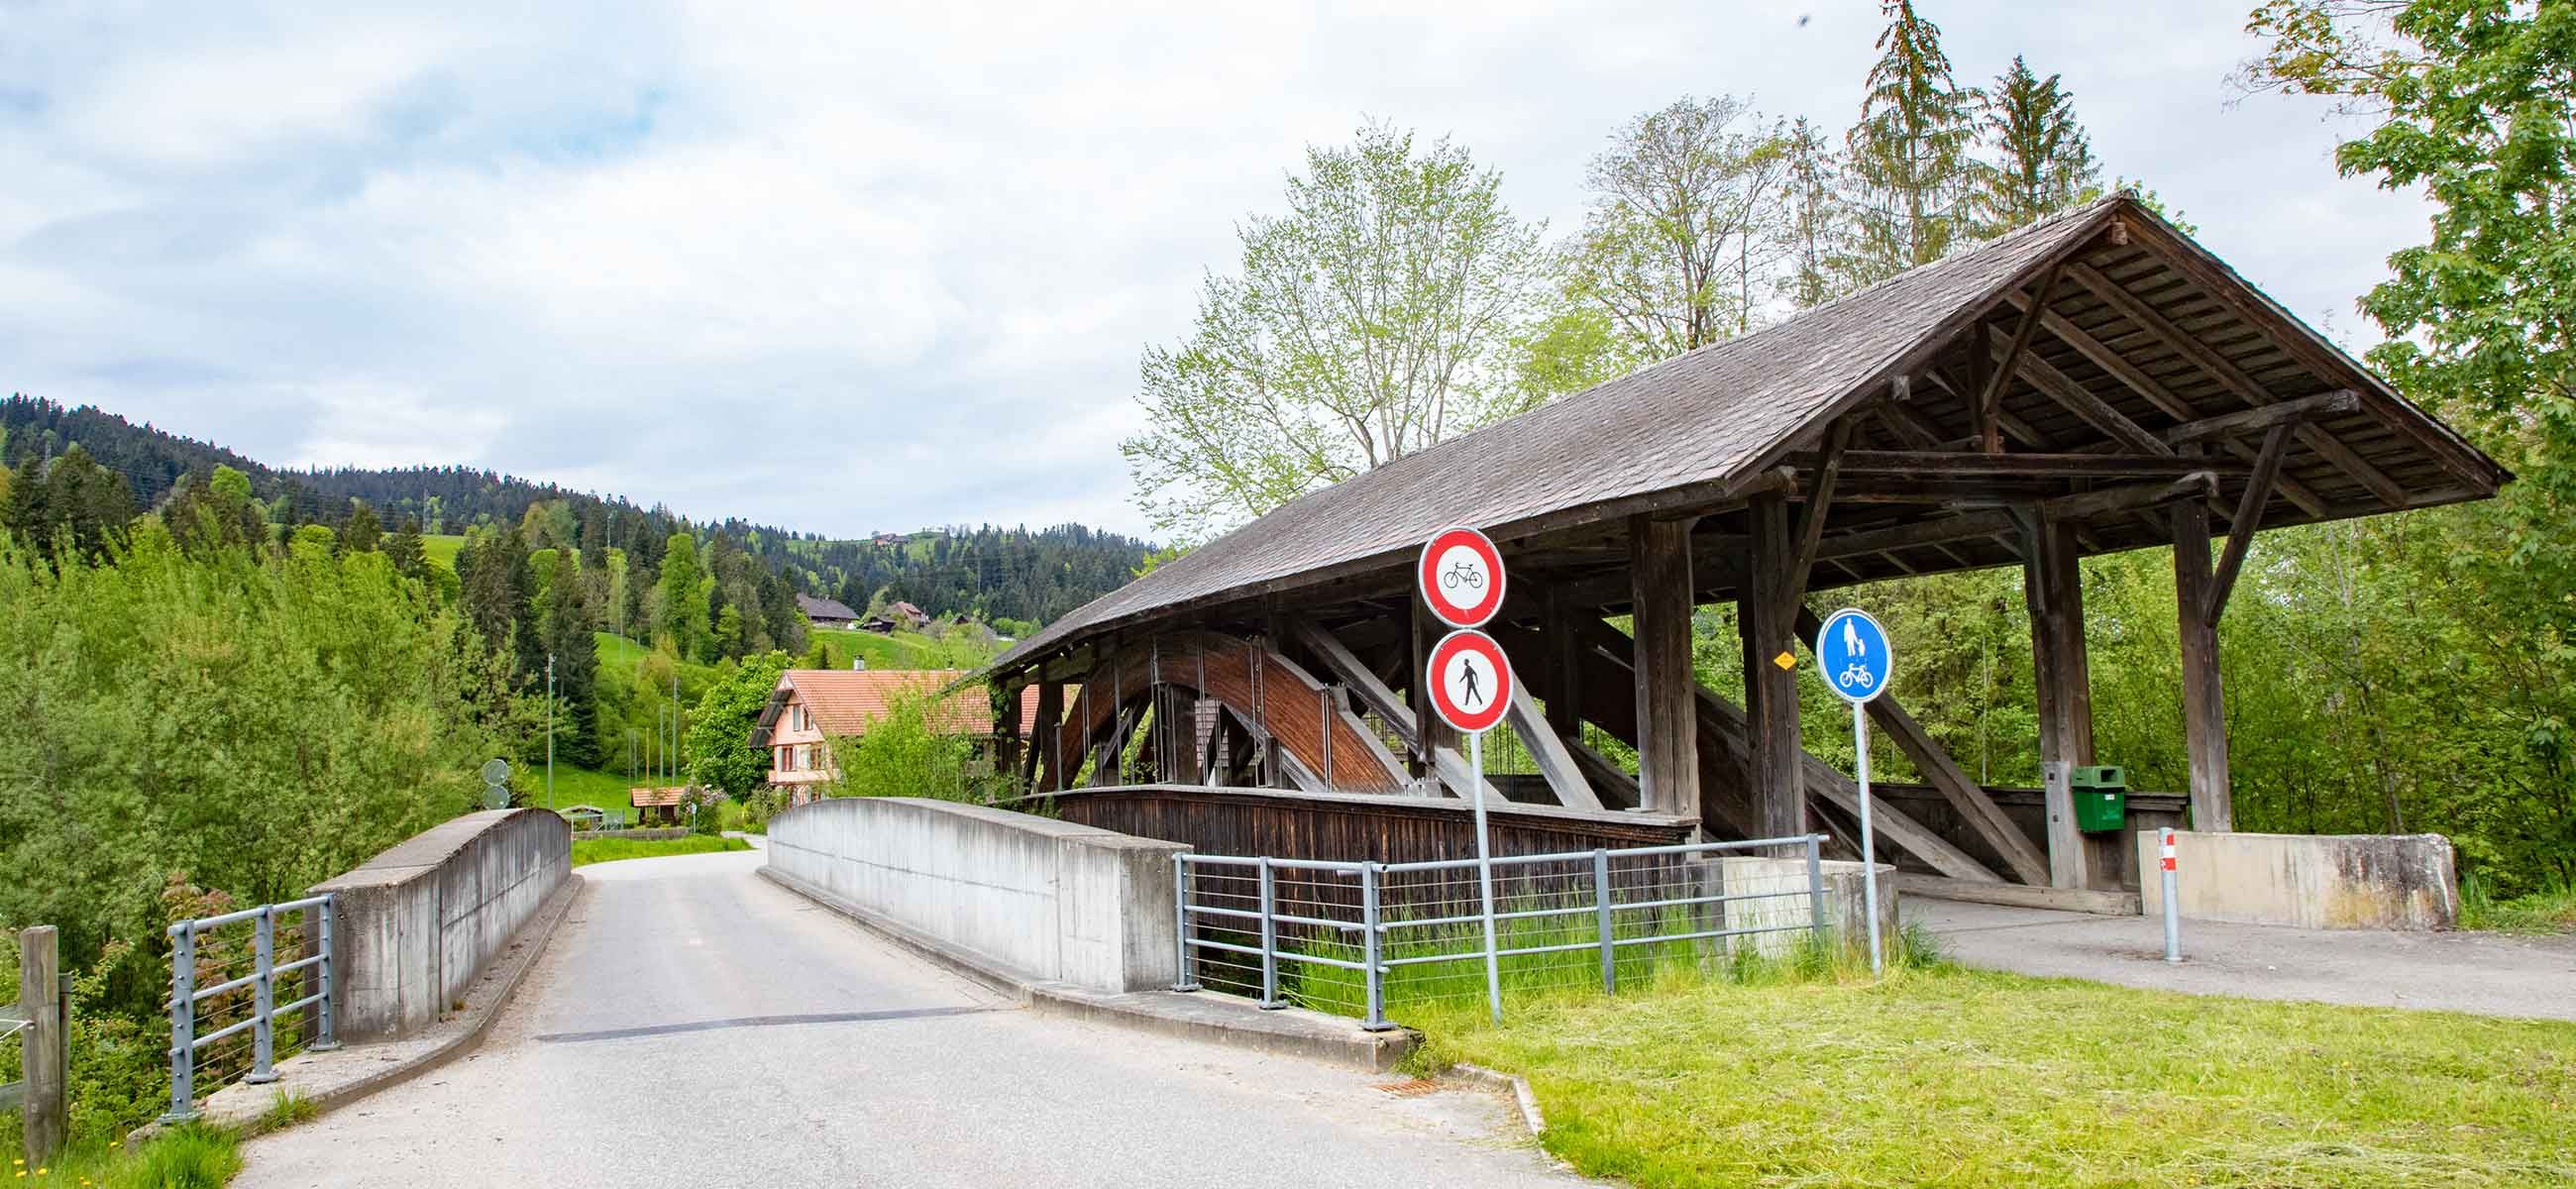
{"x":2150,"y":353}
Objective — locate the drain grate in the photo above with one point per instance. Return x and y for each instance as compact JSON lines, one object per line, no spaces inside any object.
{"x":1411,"y":1089}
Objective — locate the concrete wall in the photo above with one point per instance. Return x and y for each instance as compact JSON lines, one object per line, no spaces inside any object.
{"x":414,"y":926}
{"x":1045,"y":899}
{"x":1846,"y":903}
{"x":2330,"y":881}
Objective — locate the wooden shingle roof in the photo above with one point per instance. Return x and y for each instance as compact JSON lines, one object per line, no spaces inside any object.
{"x":1697,"y":430}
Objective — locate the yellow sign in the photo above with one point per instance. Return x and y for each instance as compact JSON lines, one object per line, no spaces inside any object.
{"x":1785,"y":661}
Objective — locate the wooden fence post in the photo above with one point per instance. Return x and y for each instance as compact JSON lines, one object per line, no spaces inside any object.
{"x":48,"y":1041}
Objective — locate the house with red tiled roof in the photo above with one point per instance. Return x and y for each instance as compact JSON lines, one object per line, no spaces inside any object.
{"x":810,"y":708}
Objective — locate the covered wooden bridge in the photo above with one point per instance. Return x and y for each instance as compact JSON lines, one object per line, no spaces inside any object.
{"x":2093,"y":383}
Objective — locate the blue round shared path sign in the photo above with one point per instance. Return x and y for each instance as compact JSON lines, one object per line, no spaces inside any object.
{"x":1853,"y":654}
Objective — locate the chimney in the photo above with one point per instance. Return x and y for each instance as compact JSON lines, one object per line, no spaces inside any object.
{"x":858,"y":664}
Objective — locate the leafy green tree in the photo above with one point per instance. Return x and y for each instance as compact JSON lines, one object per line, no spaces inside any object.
{"x":718,"y":749}
{"x":405,"y":550}
{"x":1684,"y":224}
{"x":1818,"y":224}
{"x":681,"y":596}
{"x":1373,"y":318}
{"x":910,"y":752}
{"x":363,"y":532}
{"x":1909,"y":154}
{"x":575,"y":653}
{"x":2042,"y":160}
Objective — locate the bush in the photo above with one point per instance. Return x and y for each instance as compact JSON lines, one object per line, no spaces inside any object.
{"x":910,"y":753}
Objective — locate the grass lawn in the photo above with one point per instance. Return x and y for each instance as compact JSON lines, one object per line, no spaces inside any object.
{"x":441,"y":548}
{"x":586,"y":851}
{"x":193,"y":1157}
{"x":1944,"y":1076}
{"x":900,"y":650}
{"x":578,"y":786}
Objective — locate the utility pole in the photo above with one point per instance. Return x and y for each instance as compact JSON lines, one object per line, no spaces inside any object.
{"x":675,"y":727}
{"x":550,"y":731}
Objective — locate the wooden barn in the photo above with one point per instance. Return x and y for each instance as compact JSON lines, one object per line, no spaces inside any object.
{"x":2093,"y":383}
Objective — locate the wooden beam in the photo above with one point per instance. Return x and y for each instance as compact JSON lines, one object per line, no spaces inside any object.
{"x":2248,"y":519}
{"x":2158,"y":464}
{"x":1044,"y":765}
{"x":2225,"y":371}
{"x":1447,"y":766}
{"x":2086,"y":505}
{"x":2264,"y":417}
{"x":1990,"y":398}
{"x":2079,"y":400}
{"x":1820,"y":503}
{"x":1985,"y":431}
{"x":2204,"y":697}
{"x":1615,"y":785}
{"x":1661,"y":605}
{"x":1974,"y":805}
{"x":1564,"y":777}
{"x":2052,"y":585}
{"x":1770,"y":691}
{"x":1565,"y":691}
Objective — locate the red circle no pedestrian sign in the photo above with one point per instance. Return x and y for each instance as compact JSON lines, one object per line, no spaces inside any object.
{"x":1462,"y":577}
{"x":1471,"y":681}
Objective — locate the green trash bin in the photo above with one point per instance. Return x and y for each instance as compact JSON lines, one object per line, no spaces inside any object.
{"x":2101,"y":797}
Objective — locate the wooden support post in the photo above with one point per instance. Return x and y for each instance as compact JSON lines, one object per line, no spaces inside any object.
{"x":1045,"y":762}
{"x":1006,"y":729}
{"x":2052,"y":584}
{"x":47,"y":1043}
{"x":1778,"y":784}
{"x":1659,"y":564}
{"x":1432,"y":733}
{"x":2204,"y":699}
{"x":1565,"y":661}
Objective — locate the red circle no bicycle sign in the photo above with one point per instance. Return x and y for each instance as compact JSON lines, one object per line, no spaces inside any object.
{"x":1461,"y":574}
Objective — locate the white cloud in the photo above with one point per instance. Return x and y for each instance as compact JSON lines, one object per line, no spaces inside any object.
{"x":843,"y":268}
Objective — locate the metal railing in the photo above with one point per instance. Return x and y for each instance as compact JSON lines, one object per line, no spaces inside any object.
{"x":1339,"y":936}
{"x":240,"y":995}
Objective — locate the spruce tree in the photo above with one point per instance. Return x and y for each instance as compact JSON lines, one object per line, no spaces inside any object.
{"x":1817,"y":221}
{"x":410,"y":558}
{"x":1910,"y":158}
{"x":576,"y":668}
{"x":2042,"y":160}
{"x":363,"y":531}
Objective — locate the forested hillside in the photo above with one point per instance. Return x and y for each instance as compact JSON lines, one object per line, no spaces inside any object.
{"x":988,"y":572}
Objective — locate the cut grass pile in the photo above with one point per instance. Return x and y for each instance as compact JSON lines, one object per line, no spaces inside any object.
{"x":190,"y":1157}
{"x":586,"y":851}
{"x":1944,"y":1076}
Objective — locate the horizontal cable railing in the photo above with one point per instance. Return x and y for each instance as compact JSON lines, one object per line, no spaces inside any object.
{"x":228,"y":991}
{"x":1345,"y":936}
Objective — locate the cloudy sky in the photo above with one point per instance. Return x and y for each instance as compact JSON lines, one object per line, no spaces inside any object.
{"x":850,"y":266}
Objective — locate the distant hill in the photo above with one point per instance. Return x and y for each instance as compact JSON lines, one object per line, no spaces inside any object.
{"x":987,"y":571}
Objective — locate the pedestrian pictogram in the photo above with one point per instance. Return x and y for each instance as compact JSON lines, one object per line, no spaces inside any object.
{"x":1471,"y":681}
{"x":1853,"y":654}
{"x":1461,"y":575}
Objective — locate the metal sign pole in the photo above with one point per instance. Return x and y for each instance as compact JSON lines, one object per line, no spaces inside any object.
{"x":1485,"y":874}
{"x":1868,"y":839}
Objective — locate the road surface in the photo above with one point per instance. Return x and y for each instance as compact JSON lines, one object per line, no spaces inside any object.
{"x":693,"y":1024}
{"x":2496,"y":974}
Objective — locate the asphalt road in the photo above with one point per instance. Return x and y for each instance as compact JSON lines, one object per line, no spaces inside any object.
{"x":2496,"y":974}
{"x":693,"y":1024}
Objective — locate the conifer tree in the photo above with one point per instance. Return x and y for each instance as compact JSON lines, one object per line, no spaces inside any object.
{"x":363,"y":531}
{"x":410,"y":558}
{"x":2042,"y":160}
{"x":1817,"y":223}
{"x":1910,"y":160}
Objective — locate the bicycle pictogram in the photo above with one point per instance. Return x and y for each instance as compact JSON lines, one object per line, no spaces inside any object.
{"x":1856,"y":675}
{"x":1460,"y":573}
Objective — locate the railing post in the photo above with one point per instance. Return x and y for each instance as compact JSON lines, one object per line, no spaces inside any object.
{"x":263,"y":992}
{"x":1601,"y":921}
{"x":1816,"y":883}
{"x":1370,"y":952}
{"x":183,"y":1023}
{"x":326,"y":1039}
{"x":1269,"y":944}
{"x":1182,"y":973}
{"x":46,"y":1044}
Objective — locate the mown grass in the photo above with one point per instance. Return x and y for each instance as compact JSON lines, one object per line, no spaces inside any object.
{"x":190,"y":1157}
{"x":1943,"y":1076}
{"x":586,"y":851}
